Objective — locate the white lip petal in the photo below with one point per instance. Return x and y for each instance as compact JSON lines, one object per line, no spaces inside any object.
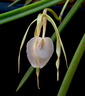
{"x":43,"y":53}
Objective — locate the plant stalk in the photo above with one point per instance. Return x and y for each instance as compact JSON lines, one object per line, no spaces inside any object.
{"x":63,"y":9}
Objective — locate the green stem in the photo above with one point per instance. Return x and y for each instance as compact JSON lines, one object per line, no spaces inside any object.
{"x":72,"y":68}
{"x":68,"y":17}
{"x":63,"y":9}
{"x":26,"y":10}
{"x":53,"y":13}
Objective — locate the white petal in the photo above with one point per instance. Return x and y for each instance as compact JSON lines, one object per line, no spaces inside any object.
{"x":43,"y":53}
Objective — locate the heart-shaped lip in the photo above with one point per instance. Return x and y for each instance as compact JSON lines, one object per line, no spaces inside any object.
{"x":44,"y":49}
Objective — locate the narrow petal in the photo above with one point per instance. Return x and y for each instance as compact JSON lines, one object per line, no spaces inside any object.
{"x":58,"y":52}
{"x":37,"y":74}
{"x":38,"y":26}
{"x":22,"y":43}
{"x":57,"y":35}
{"x":57,"y":66}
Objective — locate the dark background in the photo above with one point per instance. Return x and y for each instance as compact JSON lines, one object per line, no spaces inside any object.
{"x":10,"y":38}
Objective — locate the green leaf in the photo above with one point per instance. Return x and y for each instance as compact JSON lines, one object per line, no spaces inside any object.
{"x":27,"y":2}
{"x":72,"y":68}
{"x":15,"y":2}
{"x":25,"y":77}
{"x":26,"y":10}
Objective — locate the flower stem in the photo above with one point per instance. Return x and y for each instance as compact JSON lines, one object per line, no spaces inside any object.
{"x":68,"y":17}
{"x":63,"y":9}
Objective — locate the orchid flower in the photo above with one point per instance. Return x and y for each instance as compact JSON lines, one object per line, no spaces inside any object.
{"x":39,"y":50}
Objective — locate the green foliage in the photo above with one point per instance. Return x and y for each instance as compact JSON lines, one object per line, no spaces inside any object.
{"x":72,"y":68}
{"x":26,"y":10}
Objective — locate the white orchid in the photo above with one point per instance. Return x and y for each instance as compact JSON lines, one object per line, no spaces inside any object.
{"x":40,"y":49}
